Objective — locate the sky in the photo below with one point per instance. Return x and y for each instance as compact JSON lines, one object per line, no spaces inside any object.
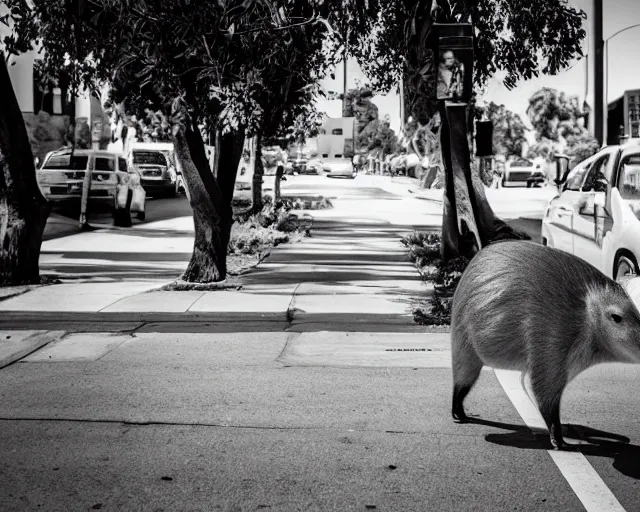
{"x":623,"y":73}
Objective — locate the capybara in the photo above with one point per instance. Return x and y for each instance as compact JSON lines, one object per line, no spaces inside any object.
{"x":523,"y":306}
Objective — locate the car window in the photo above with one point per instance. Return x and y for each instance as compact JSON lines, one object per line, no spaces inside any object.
{"x":75,"y":163}
{"x":521,"y":163}
{"x":149,"y":157}
{"x":596,"y":172}
{"x":122,"y":165}
{"x":629,"y":184}
{"x":103,"y":163}
{"x":576,"y":176}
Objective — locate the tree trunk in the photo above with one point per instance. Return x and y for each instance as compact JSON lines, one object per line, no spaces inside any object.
{"x":212,"y":215}
{"x":468,"y":222}
{"x":277,"y":192}
{"x":258,"y":174}
{"x":227,"y":158}
{"x":23,"y":209}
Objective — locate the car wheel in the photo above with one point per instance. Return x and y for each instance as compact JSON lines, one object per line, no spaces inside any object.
{"x":504,"y":182}
{"x":626,"y":266}
{"x":141,"y":216}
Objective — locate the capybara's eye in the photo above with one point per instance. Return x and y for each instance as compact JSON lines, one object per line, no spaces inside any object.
{"x":616,"y":318}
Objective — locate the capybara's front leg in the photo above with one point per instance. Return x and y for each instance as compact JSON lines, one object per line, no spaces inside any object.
{"x":548,"y":390}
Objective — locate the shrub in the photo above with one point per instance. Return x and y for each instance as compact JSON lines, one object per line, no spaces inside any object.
{"x":424,"y":252}
{"x":272,"y":226}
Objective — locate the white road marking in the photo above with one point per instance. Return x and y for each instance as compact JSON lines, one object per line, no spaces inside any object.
{"x":574,"y":466}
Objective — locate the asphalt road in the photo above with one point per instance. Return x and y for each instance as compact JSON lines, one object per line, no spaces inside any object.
{"x":64,"y":218}
{"x":214,"y":422}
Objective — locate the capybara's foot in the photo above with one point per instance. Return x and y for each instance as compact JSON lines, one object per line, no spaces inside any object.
{"x":459,"y":416}
{"x":558,"y":442}
{"x":565,"y":447}
{"x":562,"y":446}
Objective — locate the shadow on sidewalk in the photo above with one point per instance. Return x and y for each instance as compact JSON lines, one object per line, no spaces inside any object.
{"x":343,"y":255}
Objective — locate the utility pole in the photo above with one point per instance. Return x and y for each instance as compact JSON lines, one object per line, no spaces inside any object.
{"x":344,"y":83}
{"x":600,"y":101}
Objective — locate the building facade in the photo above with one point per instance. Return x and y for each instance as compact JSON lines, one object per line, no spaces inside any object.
{"x":623,"y":119}
{"x":49,"y":109}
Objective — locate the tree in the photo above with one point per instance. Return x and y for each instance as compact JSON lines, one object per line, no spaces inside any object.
{"x":23,"y":209}
{"x":285,"y":86}
{"x":371,"y":133}
{"x":559,"y":122}
{"x":521,"y":37}
{"x":508,"y":129}
{"x":196,"y":64}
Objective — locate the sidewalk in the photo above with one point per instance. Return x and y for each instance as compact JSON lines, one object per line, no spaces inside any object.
{"x":351,"y":273}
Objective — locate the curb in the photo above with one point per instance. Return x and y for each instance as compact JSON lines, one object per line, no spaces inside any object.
{"x":212,"y":322}
{"x":11,"y":317}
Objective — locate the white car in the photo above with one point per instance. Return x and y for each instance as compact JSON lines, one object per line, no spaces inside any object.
{"x":62,"y":175}
{"x":339,"y":166}
{"x":596,"y":215}
{"x":523,"y":171}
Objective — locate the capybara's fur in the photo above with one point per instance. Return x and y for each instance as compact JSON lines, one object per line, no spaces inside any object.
{"x":523,"y":306}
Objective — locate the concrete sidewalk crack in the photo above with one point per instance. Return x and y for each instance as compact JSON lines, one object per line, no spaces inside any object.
{"x":292,"y":308}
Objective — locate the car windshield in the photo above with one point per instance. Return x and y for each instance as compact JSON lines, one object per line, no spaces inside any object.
{"x":521,"y":164}
{"x":75,"y":163}
{"x":630,"y":178}
{"x":149,"y":157}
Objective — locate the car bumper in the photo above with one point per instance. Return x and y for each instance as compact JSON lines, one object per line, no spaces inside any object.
{"x":70,"y":191}
{"x":157,"y":185}
{"x":339,"y":172}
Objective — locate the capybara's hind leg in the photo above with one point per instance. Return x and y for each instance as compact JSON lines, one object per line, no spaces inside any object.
{"x":548,"y":393}
{"x":466,"y":367}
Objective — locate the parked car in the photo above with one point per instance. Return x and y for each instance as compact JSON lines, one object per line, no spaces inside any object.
{"x":157,"y":168}
{"x":596,"y":215}
{"x":297,"y":164}
{"x":338,"y":166}
{"x":62,"y":175}
{"x":315,"y":165}
{"x":523,"y":172}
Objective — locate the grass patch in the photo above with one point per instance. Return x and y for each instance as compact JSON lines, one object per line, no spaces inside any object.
{"x":289,"y":202}
{"x":250,"y":243}
{"x":424,"y":252}
{"x":307,"y":202}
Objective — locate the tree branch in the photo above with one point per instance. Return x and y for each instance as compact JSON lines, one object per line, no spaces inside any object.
{"x":274,"y":29}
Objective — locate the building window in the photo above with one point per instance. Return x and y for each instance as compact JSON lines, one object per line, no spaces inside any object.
{"x":336,"y":131}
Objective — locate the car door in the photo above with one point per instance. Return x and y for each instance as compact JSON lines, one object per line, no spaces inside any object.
{"x":588,"y":220}
{"x":559,"y":219}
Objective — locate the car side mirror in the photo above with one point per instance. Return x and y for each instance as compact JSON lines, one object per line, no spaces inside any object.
{"x":600,"y":185}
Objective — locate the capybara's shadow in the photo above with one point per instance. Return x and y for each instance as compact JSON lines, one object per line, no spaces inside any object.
{"x":593,"y":442}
